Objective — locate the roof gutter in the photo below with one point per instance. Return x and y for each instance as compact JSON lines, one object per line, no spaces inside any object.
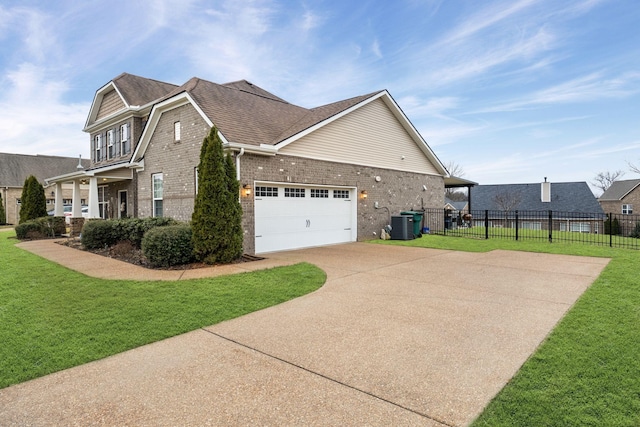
{"x":263,"y":150}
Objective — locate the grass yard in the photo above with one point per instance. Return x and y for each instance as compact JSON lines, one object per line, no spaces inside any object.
{"x":53,"y":318}
{"x":587,"y":372}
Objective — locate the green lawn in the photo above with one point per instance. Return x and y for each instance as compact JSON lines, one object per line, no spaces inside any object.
{"x":587,"y":372}
{"x":53,"y":318}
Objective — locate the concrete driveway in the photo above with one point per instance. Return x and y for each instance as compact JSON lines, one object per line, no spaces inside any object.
{"x":397,"y":336}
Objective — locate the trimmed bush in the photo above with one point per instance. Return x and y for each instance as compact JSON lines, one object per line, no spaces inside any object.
{"x":635,"y":233}
{"x":33,"y":202}
{"x":169,"y":245}
{"x":103,"y":233}
{"x":41,"y":228}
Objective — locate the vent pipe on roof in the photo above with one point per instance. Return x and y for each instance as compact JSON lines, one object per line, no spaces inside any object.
{"x":80,"y":163}
{"x":545,"y":193}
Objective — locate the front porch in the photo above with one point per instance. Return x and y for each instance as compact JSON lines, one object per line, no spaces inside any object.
{"x":99,"y":204}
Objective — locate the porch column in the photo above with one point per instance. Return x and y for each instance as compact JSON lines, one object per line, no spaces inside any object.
{"x":76,"y":204}
{"x":94,"y":211}
{"x":59,"y":203}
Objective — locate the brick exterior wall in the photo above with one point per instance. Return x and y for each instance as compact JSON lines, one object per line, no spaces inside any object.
{"x":12,"y":194}
{"x":615,"y":207}
{"x":396,"y":191}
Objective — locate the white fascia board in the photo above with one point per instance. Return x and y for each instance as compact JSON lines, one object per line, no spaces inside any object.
{"x":88,"y":173}
{"x":154,"y":117}
{"x":66,"y":177}
{"x":325,"y":122}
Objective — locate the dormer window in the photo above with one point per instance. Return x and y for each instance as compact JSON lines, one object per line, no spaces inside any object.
{"x":176,"y":132}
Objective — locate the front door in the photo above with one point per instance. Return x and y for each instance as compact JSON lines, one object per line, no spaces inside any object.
{"x":122,"y":204}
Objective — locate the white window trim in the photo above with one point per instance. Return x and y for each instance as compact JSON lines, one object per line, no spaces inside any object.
{"x":98,"y":147}
{"x":627,"y":209}
{"x":124,"y":138}
{"x":110,"y":139}
{"x":154,"y":197}
{"x":177,"y":131}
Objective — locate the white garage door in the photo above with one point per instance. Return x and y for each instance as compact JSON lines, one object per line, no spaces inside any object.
{"x":296,"y":216}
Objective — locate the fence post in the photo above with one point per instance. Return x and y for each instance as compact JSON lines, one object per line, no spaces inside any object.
{"x":486,"y":224}
{"x":610,"y":230}
{"x":516,"y":224}
{"x":550,"y":226}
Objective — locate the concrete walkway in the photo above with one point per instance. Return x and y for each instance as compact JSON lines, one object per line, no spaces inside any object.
{"x":397,"y":336}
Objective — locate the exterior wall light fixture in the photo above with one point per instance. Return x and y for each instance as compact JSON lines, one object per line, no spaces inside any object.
{"x":363,"y":194}
{"x":246,"y":190}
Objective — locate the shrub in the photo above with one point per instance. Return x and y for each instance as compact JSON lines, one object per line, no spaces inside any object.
{"x":40,"y":228}
{"x":102,"y":233}
{"x":169,"y":245}
{"x":612,"y":226}
{"x":635,"y":233}
{"x":33,"y":202}
{"x":216,"y":219}
{"x":3,"y":213}
{"x":97,"y":233}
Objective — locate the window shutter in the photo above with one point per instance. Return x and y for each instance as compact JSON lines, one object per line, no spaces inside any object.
{"x":117,"y":141}
{"x":103,"y":151}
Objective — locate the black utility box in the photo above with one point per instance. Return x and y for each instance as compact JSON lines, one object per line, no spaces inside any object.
{"x":402,"y":227}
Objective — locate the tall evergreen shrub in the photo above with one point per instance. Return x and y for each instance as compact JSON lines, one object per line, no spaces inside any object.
{"x":3,"y":213}
{"x":217,"y":235}
{"x":33,"y":202}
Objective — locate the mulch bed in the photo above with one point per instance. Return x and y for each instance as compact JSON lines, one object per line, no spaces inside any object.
{"x":126,"y":252}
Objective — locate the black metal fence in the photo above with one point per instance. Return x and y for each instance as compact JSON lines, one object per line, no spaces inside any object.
{"x":615,"y":230}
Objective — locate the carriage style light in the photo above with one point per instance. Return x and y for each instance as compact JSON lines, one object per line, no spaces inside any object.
{"x":246,"y":190}
{"x":363,"y":194}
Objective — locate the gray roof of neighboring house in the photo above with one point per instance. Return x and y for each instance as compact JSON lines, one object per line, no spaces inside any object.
{"x":138,"y":91}
{"x":456,"y":205}
{"x":245,"y":113}
{"x":619,"y":189}
{"x":16,"y":168}
{"x":565,"y":197}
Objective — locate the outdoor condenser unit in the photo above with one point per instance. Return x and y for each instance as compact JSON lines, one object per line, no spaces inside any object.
{"x":402,"y":227}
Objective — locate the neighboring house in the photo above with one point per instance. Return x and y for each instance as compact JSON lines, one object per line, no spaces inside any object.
{"x":573,"y":205}
{"x":621,"y":197}
{"x":16,"y":168}
{"x":309,"y":177}
{"x":458,"y":206}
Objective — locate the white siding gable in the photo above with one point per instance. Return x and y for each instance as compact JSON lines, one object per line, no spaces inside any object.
{"x":370,"y":136}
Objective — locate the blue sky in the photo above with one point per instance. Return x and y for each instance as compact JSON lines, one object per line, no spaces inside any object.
{"x":510,"y":90}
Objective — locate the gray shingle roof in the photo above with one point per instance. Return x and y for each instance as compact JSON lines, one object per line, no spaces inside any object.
{"x":248,"y":114}
{"x":565,"y":197}
{"x":15,"y":168}
{"x":138,"y":90}
{"x":619,"y":189}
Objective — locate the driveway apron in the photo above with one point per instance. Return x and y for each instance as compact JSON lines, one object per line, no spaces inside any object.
{"x":396,"y":336}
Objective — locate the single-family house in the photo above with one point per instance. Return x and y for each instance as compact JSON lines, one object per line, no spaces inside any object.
{"x":572,"y":204}
{"x":309,"y":177}
{"x":621,"y":197}
{"x":16,"y":168}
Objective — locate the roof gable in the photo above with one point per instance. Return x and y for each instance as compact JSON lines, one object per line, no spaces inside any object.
{"x":565,"y":197}
{"x":126,"y":91}
{"x":367,"y":134}
{"x":620,"y":189}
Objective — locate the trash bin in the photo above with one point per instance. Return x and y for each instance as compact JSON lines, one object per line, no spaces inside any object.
{"x":417,"y":221}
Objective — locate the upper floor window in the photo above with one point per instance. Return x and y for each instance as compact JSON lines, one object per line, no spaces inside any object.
{"x":97,"y":143}
{"x":111,"y":149}
{"x":627,"y":209}
{"x":124,"y":139}
{"x":176,"y":131}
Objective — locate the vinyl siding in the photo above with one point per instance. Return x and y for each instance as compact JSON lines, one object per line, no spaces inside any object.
{"x":111,"y":103}
{"x":371,"y":136}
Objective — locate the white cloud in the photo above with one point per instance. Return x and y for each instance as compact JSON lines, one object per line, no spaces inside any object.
{"x":375,"y":48}
{"x":36,"y":120}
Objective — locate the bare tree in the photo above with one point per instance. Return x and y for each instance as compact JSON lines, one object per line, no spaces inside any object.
{"x":454,"y":170}
{"x":633,"y":167}
{"x":507,"y":200}
{"x":604,"y":179}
